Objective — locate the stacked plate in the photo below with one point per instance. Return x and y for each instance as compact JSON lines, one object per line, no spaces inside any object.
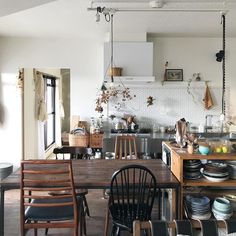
{"x":198,"y":208}
{"x":192,"y":169}
{"x":222,"y":209}
{"x":216,"y":171}
{"x":232,"y":169}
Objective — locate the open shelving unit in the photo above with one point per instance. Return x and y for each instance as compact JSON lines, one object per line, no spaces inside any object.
{"x":206,"y":187}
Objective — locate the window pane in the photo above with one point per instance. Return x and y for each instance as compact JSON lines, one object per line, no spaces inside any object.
{"x":50,"y":130}
{"x":50,"y":99}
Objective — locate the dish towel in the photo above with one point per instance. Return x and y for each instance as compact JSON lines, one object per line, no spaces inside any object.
{"x":208,"y":102}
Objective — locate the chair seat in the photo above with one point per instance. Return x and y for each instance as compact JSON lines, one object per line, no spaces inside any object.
{"x":79,"y":192}
{"x":51,"y":213}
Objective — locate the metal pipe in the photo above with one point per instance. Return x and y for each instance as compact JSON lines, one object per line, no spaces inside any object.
{"x":159,"y":10}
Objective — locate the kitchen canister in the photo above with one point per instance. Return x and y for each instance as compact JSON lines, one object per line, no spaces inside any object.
{"x":5,"y":170}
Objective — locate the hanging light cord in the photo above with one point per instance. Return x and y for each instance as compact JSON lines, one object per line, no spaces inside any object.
{"x":223,"y":67}
{"x":112,"y":79}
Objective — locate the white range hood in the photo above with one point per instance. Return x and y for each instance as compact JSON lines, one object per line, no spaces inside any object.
{"x":135,"y":59}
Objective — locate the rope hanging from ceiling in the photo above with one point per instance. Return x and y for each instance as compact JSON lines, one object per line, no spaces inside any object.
{"x":223,"y":67}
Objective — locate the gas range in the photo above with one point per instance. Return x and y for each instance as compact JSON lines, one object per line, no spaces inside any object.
{"x":139,"y":133}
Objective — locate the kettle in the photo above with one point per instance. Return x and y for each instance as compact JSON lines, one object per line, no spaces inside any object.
{"x":119,"y":125}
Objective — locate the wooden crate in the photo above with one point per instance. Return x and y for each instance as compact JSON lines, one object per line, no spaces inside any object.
{"x":79,"y":140}
{"x":96,"y":140}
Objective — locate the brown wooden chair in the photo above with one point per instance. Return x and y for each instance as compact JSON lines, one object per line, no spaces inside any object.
{"x":152,"y":228}
{"x":76,"y":152}
{"x":125,"y":147}
{"x":41,"y":210}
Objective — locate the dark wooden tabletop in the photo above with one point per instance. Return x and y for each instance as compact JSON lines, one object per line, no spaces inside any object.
{"x":96,"y":174}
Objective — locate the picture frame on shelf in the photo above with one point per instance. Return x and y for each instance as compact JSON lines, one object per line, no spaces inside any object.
{"x":174,"y":74}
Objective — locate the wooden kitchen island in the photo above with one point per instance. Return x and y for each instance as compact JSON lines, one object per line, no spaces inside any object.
{"x":200,"y":186}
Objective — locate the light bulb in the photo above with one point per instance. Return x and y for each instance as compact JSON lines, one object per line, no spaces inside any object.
{"x":97,"y":17}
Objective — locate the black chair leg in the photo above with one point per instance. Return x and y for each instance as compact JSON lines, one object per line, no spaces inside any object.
{"x":86,"y":206}
{"x":113,"y":230}
{"x":46,"y":230}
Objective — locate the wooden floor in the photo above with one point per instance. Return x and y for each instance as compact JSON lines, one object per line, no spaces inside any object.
{"x":95,"y":224}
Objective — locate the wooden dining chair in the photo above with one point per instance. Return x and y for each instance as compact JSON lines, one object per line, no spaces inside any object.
{"x":183,"y":227}
{"x":152,"y":228}
{"x":75,"y":152}
{"x":132,"y":193}
{"x":41,"y":210}
{"x":209,"y":227}
{"x":125,"y":147}
{"x":230,"y":225}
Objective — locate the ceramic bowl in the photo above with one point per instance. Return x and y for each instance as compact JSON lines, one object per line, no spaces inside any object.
{"x":204,"y":150}
{"x":221,"y":216}
{"x":222,"y":205}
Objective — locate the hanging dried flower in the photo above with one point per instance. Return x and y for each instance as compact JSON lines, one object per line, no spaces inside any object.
{"x":150,"y":100}
{"x":105,"y":95}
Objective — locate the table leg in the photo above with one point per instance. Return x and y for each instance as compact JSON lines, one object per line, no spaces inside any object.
{"x":2,"y":211}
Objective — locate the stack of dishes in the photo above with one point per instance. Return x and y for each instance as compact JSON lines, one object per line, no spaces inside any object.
{"x":232,"y":169}
{"x":192,"y":169}
{"x":198,"y":208}
{"x":232,"y":199}
{"x":216,"y":171}
{"x":222,"y":209}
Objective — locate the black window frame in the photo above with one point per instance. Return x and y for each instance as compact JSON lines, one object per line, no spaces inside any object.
{"x":50,"y":81}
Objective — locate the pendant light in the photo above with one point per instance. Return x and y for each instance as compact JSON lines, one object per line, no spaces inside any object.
{"x":220,"y":57}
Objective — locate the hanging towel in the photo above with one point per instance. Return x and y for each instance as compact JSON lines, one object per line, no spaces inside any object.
{"x":208,"y":102}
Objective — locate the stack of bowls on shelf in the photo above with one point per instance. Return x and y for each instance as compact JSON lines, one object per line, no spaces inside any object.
{"x":198,"y":208}
{"x":222,"y":209}
{"x":232,"y":199}
{"x":192,"y":169}
{"x":232,"y":169}
{"x":215,"y":171}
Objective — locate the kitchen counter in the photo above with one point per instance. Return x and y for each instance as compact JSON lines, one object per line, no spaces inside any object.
{"x":151,"y":143}
{"x":147,"y":143}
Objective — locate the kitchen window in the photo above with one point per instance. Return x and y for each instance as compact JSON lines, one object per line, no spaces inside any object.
{"x":50,"y":123}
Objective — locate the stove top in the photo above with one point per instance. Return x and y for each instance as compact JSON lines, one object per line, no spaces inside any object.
{"x":129,"y":131}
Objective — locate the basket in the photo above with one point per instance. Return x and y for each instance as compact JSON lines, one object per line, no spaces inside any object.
{"x":115,"y":71}
{"x":96,"y":140}
{"x":79,"y":140}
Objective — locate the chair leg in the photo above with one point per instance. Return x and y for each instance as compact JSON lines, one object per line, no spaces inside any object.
{"x":86,"y":206}
{"x":35,"y":230}
{"x":106,"y":222}
{"x":46,"y":230}
{"x":113,"y":230}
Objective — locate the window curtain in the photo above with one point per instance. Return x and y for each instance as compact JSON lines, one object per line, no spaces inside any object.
{"x":41,"y":109}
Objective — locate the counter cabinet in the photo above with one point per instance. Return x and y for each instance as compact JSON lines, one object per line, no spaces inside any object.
{"x":199,"y":186}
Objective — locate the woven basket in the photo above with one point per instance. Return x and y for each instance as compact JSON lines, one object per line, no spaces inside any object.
{"x":79,"y":140}
{"x":115,"y":71}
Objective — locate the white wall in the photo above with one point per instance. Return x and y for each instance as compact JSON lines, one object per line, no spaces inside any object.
{"x":85,"y":59}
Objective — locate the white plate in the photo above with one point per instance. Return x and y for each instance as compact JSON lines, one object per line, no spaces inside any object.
{"x":212,"y":179}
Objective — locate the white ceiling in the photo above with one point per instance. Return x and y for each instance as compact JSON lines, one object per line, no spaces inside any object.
{"x":70,"y":18}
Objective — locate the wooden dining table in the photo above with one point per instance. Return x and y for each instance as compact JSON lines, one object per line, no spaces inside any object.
{"x":97,"y":173}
